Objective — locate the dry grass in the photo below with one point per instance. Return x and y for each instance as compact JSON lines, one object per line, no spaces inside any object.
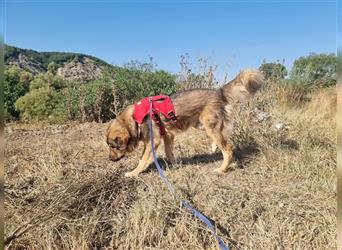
{"x":62,"y":192}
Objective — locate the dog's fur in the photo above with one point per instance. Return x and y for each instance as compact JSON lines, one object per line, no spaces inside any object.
{"x":207,"y":108}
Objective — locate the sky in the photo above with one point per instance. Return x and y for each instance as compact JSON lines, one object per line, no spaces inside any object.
{"x":232,"y":34}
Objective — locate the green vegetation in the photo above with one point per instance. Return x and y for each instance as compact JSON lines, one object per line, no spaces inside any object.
{"x":132,"y":84}
{"x":15,"y":86}
{"x":273,"y":71}
{"x":315,"y":69}
{"x":44,"y":99}
{"x":47,"y":96}
{"x":56,"y":99}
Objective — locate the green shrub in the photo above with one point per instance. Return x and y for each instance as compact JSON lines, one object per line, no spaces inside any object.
{"x":133,"y":83}
{"x":52,"y":67}
{"x":45,"y":100}
{"x":273,"y":71}
{"x":48,"y":79}
{"x":102,"y":99}
{"x":315,"y":69}
{"x":53,"y":98}
{"x":95,"y":101}
{"x":15,"y":85}
{"x":42,"y":103}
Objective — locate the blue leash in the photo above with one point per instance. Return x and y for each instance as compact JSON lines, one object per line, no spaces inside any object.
{"x":185,"y":204}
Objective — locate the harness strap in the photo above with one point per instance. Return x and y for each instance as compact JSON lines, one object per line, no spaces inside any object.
{"x":154,"y":115}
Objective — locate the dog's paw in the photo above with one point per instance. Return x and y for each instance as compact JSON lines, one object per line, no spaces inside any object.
{"x":131,"y":174}
{"x":233,"y":165}
{"x":220,"y":170}
{"x":172,"y":160}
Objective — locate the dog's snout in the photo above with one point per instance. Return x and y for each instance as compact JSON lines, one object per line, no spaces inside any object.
{"x":116,"y":158}
{"x":112,"y":158}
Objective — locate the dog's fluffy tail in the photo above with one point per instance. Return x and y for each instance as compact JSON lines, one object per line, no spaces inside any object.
{"x":243,"y":86}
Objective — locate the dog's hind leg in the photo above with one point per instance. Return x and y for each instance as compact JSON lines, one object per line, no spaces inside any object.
{"x":216,"y":129}
{"x":227,"y":157}
{"x":146,"y":159}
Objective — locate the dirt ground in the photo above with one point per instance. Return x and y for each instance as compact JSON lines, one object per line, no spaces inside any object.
{"x":62,"y":191}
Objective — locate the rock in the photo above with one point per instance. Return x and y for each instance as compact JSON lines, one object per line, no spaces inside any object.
{"x":281,"y":126}
{"x":23,"y":62}
{"x":85,"y":69}
{"x":260,"y":115}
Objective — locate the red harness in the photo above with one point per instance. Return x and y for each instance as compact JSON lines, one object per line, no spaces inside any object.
{"x":160,"y":104}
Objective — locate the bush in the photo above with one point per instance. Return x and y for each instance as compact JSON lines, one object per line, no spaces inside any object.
{"x":15,"y":85}
{"x":273,"y":71}
{"x":89,"y":102}
{"x":44,"y":100}
{"x":101,"y":100}
{"x":48,"y":79}
{"x":42,"y":103}
{"x":292,"y":93}
{"x":52,"y":97}
{"x":315,"y":69}
{"x":255,"y":121}
{"x":133,"y":83}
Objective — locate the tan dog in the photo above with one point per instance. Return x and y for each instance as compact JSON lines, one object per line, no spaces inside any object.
{"x":207,"y":108}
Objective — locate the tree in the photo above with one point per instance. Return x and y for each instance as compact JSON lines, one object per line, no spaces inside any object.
{"x":273,"y":71}
{"x":14,"y":87}
{"x":41,"y":103}
{"x":48,"y":79}
{"x":52,"y":68}
{"x":44,"y":100}
{"x":25,"y":79}
{"x":315,"y":69}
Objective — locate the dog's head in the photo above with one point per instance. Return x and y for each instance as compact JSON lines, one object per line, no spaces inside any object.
{"x":119,"y":139}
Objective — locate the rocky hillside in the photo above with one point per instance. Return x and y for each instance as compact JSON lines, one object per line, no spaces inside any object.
{"x":72,"y":66}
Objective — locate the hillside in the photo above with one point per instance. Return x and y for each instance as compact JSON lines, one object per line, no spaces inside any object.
{"x":69,"y":65}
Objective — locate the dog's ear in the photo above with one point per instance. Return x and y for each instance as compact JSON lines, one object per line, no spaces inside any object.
{"x":134,"y":135}
{"x":108,"y":128}
{"x":132,"y":143}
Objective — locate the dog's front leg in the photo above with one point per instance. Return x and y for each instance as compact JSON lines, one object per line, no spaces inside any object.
{"x":168,"y":143}
{"x":146,"y":159}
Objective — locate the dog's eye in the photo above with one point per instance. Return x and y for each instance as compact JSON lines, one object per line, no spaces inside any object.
{"x":114,"y":146}
{"x":116,"y":143}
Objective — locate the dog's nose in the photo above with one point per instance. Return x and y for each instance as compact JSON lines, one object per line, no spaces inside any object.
{"x":113,"y":159}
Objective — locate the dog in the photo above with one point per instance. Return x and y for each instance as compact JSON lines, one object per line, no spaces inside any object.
{"x":206,"y":108}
